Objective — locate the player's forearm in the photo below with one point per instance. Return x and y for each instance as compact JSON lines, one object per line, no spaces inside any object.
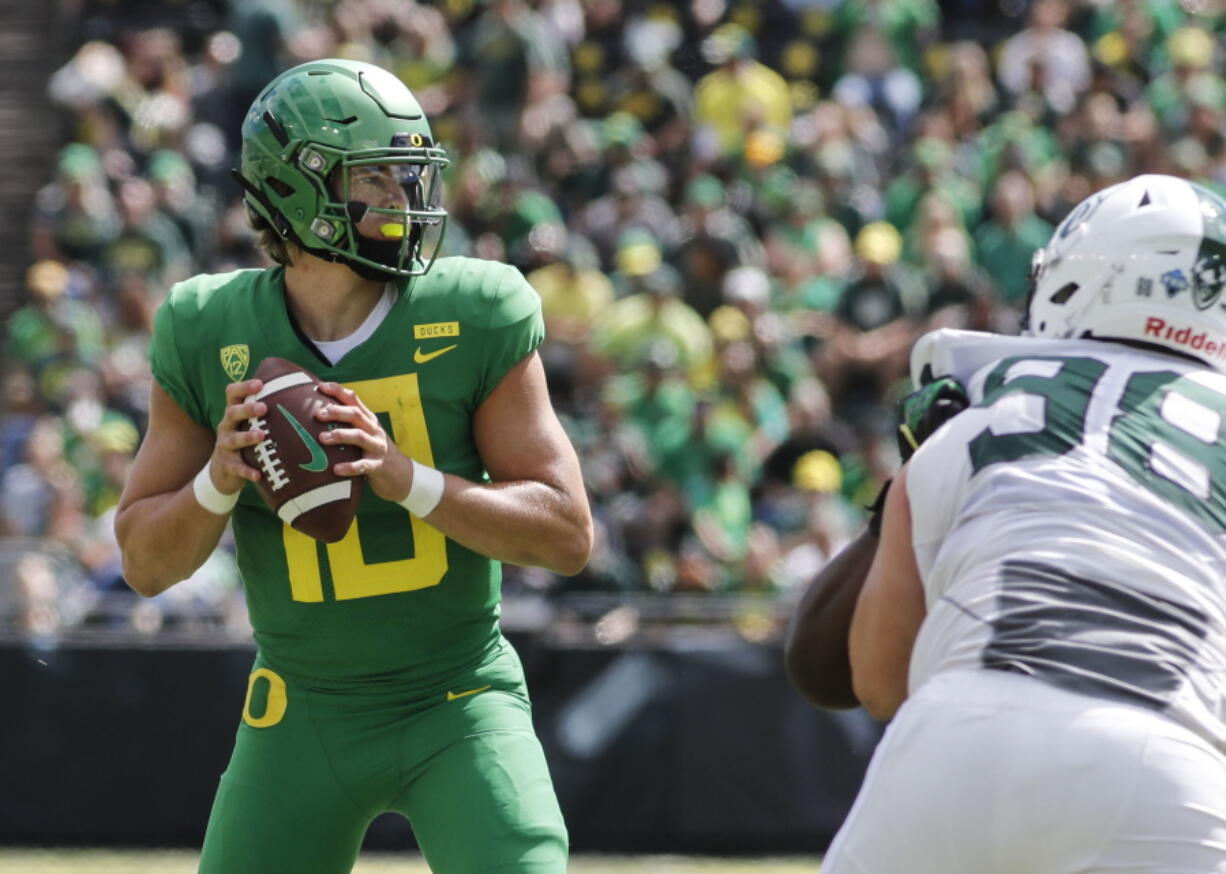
{"x":526,"y":523}
{"x":817,"y":656}
{"x":164,"y":539}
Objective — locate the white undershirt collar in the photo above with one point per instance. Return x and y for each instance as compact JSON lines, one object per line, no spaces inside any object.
{"x":335,"y":350}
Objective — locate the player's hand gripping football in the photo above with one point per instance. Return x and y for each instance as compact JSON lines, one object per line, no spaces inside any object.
{"x":926,"y":409}
{"x":227,"y":467}
{"x":387,"y":469}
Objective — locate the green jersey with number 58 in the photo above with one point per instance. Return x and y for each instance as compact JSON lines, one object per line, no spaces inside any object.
{"x":394,"y":604}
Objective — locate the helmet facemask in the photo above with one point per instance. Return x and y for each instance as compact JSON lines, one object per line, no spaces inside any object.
{"x":1037,"y":262}
{"x":384,"y":208}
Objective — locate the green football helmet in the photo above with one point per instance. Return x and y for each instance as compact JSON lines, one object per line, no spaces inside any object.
{"x":339,"y":160}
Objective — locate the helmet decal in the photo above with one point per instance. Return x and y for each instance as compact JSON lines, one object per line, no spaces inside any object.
{"x":1080,"y":214}
{"x":1174,"y":282}
{"x":1209,"y":270}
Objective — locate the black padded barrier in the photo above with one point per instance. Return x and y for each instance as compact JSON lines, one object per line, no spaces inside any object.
{"x":681,"y":748}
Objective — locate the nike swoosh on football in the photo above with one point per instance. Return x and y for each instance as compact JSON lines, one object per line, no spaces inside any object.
{"x":422,"y":357}
{"x":451,"y":696}
{"x":319,"y":459}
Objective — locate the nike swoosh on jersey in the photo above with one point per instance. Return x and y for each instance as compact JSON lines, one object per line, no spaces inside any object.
{"x":319,"y":459}
{"x":451,"y":696}
{"x":422,"y":357}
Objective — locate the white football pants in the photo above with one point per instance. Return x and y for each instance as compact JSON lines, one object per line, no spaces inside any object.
{"x":986,"y":772}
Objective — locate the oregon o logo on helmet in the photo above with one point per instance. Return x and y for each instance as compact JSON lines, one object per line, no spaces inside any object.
{"x":414,"y":139}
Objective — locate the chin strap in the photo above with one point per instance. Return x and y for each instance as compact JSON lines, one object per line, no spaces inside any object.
{"x":366,"y":271}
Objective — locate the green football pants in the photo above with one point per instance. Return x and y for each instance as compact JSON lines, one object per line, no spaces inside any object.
{"x":311,"y":770}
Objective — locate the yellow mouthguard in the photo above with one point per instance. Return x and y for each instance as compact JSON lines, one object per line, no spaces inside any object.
{"x":392,"y":229}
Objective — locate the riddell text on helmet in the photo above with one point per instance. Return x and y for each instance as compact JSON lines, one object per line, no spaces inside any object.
{"x":1161,"y":329}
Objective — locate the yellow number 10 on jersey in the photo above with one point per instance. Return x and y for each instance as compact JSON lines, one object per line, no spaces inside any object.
{"x":400,"y":398}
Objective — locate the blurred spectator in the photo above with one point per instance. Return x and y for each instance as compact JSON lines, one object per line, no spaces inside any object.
{"x":934,"y":172}
{"x":805,"y":484}
{"x":1015,"y":140}
{"x":841,"y":148}
{"x":958,"y":293}
{"x":514,"y":58}
{"x":178,"y":199}
{"x":18,"y":413}
{"x":775,"y":341}
{"x":968,"y":86}
{"x":712,"y":240}
{"x":746,"y":386}
{"x":910,"y":25}
{"x":75,"y":216}
{"x":263,"y":29}
{"x":806,"y":248}
{"x":154,"y":99}
{"x":41,"y":496}
{"x":652,"y":312}
{"x":1045,"y":59}
{"x":1126,"y":37}
{"x":574,"y":292}
{"x":874,"y":79}
{"x":92,"y":431}
{"x":634,"y":198}
{"x":1190,"y":79}
{"x":53,"y":328}
{"x":741,"y":95}
{"x":935,"y":215}
{"x":649,"y":87}
{"x":148,"y":243}
{"x":112,"y":446}
{"x":825,"y":533}
{"x":1008,"y":239}
{"x":868,"y":348}
{"x":722,"y":516}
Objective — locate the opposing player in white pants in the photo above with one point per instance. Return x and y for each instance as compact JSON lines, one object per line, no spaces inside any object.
{"x":1044,"y":613}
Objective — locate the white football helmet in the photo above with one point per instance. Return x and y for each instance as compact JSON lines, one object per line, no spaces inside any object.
{"x":1142,"y":261}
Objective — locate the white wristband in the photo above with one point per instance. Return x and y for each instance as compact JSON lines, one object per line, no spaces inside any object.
{"x":210,"y":497}
{"x":426,"y":491}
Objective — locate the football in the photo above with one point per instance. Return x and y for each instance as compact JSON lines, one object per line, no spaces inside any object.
{"x":296,"y":469}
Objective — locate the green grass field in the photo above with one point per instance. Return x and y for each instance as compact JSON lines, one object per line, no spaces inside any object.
{"x":183,"y":862}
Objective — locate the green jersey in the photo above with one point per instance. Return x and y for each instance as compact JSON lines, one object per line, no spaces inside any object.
{"x":394,"y":604}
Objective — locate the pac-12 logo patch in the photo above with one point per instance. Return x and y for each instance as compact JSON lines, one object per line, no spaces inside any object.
{"x":235,"y":359}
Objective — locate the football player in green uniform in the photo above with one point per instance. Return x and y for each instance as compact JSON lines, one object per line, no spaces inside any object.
{"x":382,"y":681}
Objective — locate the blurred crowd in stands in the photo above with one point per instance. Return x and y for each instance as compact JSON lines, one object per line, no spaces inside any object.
{"x":739,"y":214}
